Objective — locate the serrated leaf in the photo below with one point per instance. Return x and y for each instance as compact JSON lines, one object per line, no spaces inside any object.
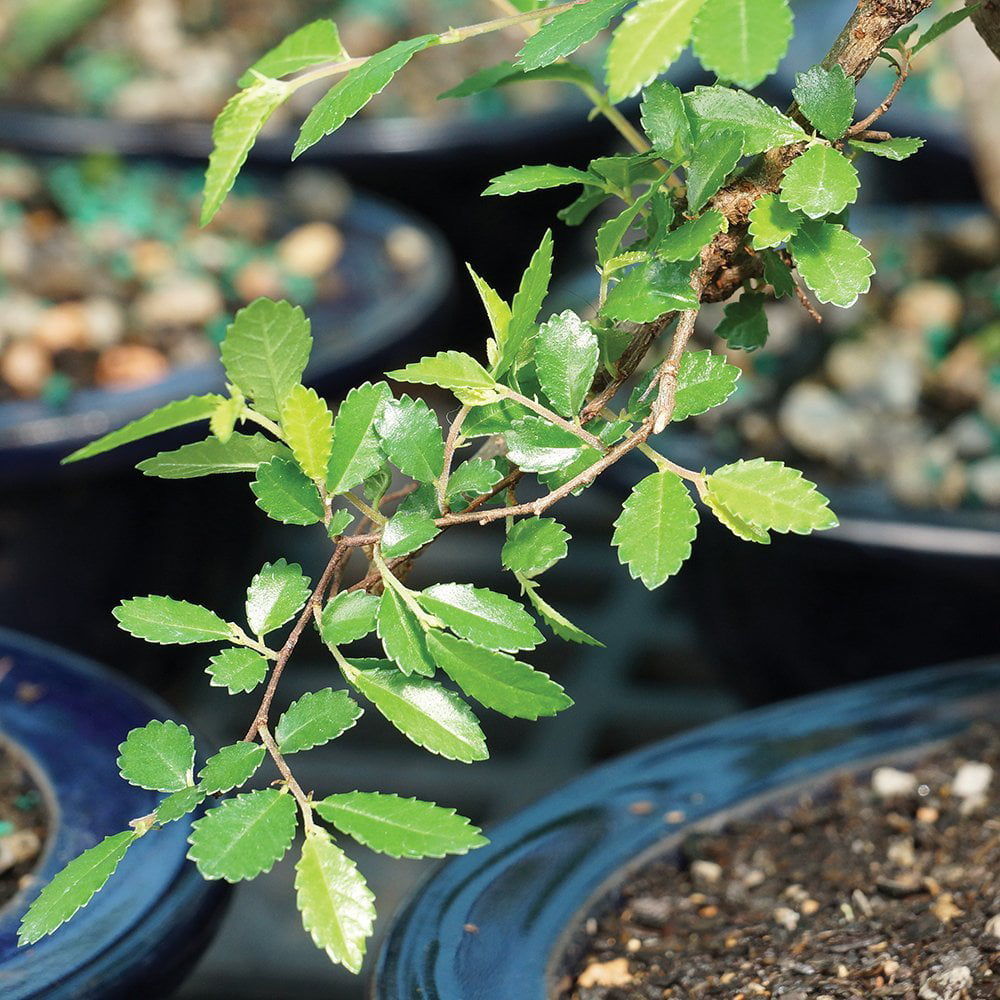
{"x":347,"y":617}
{"x":744,"y":324}
{"x":275,"y":595}
{"x":346,"y":98}
{"x":772,"y":222}
{"x":308,"y":426}
{"x":566,"y":357}
{"x":742,"y":529}
{"x":476,"y":476}
{"x":665,"y":121}
{"x":313,"y":43}
{"x":742,"y":41}
{"x":651,"y":289}
{"x":651,"y":36}
{"x":579,"y":210}
{"x":606,"y":432}
{"x":713,"y":159}
{"x":316,"y":718}
{"x":820,"y":182}
{"x":339,"y":522}
{"x":163,"y":620}
{"x":241,"y":453}
{"x":179,"y":804}
{"x":401,"y":828}
{"x":559,"y":623}
{"x":423,"y":711}
{"x":165,"y":418}
{"x":232,"y":767}
{"x":567,"y":31}
{"x":497,"y":680}
{"x":763,"y":127}
{"x":772,"y":496}
{"x":460,"y":373}
{"x":244,"y":836}
{"x":285,"y":493}
{"x":233,"y":135}
{"x":158,"y":756}
{"x":534,"y":545}
{"x":778,"y":274}
{"x":506,"y":73}
{"x":897,"y":149}
{"x":73,"y":887}
{"x":538,"y":177}
{"x":612,"y":232}
{"x":657,"y":525}
{"x":356,"y":453}
{"x":688,"y":240}
{"x":222,"y":423}
{"x":481,"y":616}
{"x":827,"y":98}
{"x":496,"y":308}
{"x":403,"y":636}
{"x":338,"y":908}
{"x":704,"y":380}
{"x":527,"y":302}
{"x":832,"y":262}
{"x":239,"y":669}
{"x":265,"y":351}
{"x":535,"y":445}
{"x":943,"y":24}
{"x":411,"y":438}
{"x":406,"y":531}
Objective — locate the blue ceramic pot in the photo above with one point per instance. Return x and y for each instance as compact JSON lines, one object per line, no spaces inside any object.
{"x":501,"y":922}
{"x":142,"y":933}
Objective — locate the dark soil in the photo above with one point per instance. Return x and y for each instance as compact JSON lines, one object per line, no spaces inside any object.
{"x":842,"y":893}
{"x":22,"y":824}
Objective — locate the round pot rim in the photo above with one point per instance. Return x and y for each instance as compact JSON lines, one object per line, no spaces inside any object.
{"x":490,"y":924}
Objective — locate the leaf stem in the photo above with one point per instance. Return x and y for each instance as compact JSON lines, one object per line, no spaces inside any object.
{"x":285,"y":771}
{"x":449,"y":455}
{"x":373,"y":515}
{"x":258,"y":418}
{"x":567,"y":425}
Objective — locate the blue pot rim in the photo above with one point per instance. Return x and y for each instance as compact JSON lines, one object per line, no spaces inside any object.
{"x":493,"y":924}
{"x":143,"y":916}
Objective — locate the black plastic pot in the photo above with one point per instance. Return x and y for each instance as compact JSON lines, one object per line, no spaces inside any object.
{"x":505,"y":921}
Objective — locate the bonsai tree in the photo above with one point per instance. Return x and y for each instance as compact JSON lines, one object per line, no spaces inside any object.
{"x":721,"y":196}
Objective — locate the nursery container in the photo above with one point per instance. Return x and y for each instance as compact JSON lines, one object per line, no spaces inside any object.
{"x":65,"y":716}
{"x":504,"y":921}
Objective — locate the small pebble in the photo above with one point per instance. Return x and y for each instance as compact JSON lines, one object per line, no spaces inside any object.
{"x":183,"y":300}
{"x":972,"y":779}
{"x":130,"y":364}
{"x":18,"y":847}
{"x":890,"y":782}
{"x":928,"y":814}
{"x":984,"y":480}
{"x":407,"y":248}
{"x":786,"y":917}
{"x":63,"y":327}
{"x":927,"y":304}
{"x":25,"y":367}
{"x":612,"y":973}
{"x":947,"y":985}
{"x":706,"y":871}
{"x":311,"y":249}
{"x":992,"y":927}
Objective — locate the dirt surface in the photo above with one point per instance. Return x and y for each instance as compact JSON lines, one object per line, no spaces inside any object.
{"x":22,"y":824}
{"x":886,"y":884}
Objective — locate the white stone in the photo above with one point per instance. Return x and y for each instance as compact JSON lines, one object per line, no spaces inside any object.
{"x":946,"y":985}
{"x":890,"y":782}
{"x":706,"y":871}
{"x":972,"y":780}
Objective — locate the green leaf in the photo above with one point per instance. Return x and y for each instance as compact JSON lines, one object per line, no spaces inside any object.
{"x":232,"y":767}
{"x":826,"y":97}
{"x":347,"y":617}
{"x":308,"y":426}
{"x":665,"y":121}
{"x":762,"y":126}
{"x":496,"y":308}
{"x":265,"y":351}
{"x":651,"y":289}
{"x":742,"y":41}
{"x":244,"y":836}
{"x":423,"y":711}
{"x":772,"y":496}
{"x":179,"y":804}
{"x":832,"y":262}
{"x":713,"y":159}
{"x":566,"y":356}
{"x":704,"y":380}
{"x":772,"y":222}
{"x":222,"y":423}
{"x":165,"y":418}
{"x":73,"y":887}
{"x":403,"y":636}
{"x":580,"y":209}
{"x":284,"y":492}
{"x":481,"y":616}
{"x":943,"y":24}
{"x":315,"y":719}
{"x":346,"y":98}
{"x":411,"y":438}
{"x":239,"y":669}
{"x":778,"y":274}
{"x":612,"y":232}
{"x":233,"y":135}
{"x":606,"y":432}
{"x":820,"y":182}
{"x":898,"y":148}
{"x":406,"y":531}
{"x":657,"y":525}
{"x":163,"y":620}
{"x":339,"y":522}
{"x":742,"y":529}
{"x":560,"y":624}
{"x":475,"y":476}
{"x":275,"y":595}
{"x":539,"y":177}
{"x":651,"y":36}
{"x":313,"y":43}
{"x":534,"y":545}
{"x":401,"y":828}
{"x":497,"y":680}
{"x":745,"y":322}
{"x":159,"y":756}
{"x":526,"y":304}
{"x":338,"y":908}
{"x":567,"y":31}
{"x":535,"y":445}
{"x":506,"y":73}
{"x":241,"y":453}
{"x":461,"y":373}
{"x":688,"y":240}
{"x":356,"y":453}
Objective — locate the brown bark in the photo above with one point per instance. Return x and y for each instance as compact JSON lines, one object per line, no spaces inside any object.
{"x":987,"y":22}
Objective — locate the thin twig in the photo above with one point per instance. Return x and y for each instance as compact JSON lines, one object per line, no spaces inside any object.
{"x":567,"y":425}
{"x":449,"y":455}
{"x":666,"y":397}
{"x":806,"y":304}
{"x":865,"y":123}
{"x":286,"y":773}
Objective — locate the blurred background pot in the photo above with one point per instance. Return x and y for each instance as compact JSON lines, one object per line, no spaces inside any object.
{"x":63,"y":718}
